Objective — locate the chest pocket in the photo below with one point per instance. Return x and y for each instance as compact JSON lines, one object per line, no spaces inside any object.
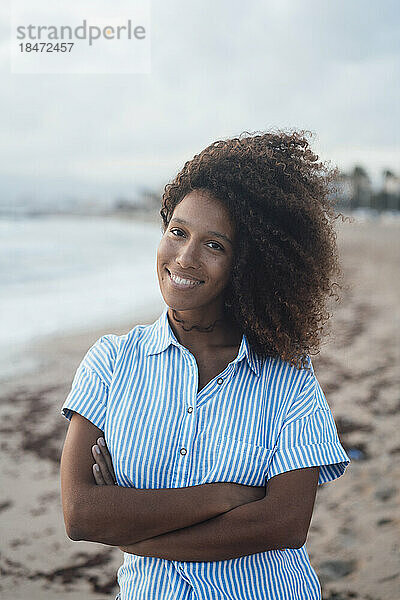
{"x":228,"y":459}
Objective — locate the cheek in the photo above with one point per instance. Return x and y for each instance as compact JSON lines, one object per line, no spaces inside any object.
{"x":228,"y":269}
{"x":222,"y":272}
{"x":162,"y":252}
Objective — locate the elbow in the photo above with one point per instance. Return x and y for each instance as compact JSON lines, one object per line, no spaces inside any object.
{"x":299,"y":538}
{"x":75,"y":530}
{"x":293,"y":542}
{"x":82,"y":524}
{"x":77,"y":525}
{"x":74,"y":533}
{"x":298,"y":535}
{"x":297,"y":542}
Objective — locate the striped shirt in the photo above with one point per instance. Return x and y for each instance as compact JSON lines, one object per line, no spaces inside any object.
{"x":255,"y":419}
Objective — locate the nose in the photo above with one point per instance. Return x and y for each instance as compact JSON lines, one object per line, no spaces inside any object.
{"x":187,"y":256}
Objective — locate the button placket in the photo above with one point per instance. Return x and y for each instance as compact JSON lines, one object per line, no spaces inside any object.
{"x":215,"y":385}
{"x":188,"y":430}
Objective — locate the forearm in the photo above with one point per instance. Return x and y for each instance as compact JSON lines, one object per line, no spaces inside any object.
{"x":248,"y":529}
{"x":116,"y":515}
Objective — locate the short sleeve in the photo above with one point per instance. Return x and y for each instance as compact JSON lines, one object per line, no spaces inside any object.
{"x":89,"y":391}
{"x":308,"y":437}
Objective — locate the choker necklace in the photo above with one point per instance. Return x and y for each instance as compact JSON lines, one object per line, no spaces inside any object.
{"x":198,"y":327}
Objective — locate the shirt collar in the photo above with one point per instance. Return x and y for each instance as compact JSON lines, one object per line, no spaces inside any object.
{"x":159,"y":336}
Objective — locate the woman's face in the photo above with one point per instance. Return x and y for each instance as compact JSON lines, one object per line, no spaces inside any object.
{"x":195,"y":255}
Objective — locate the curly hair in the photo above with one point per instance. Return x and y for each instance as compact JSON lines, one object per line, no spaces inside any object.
{"x":279,"y":198}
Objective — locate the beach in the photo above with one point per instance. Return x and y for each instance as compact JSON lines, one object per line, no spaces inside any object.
{"x":353,"y":541}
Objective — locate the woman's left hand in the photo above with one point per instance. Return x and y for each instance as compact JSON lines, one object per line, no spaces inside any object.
{"x":103,"y":470}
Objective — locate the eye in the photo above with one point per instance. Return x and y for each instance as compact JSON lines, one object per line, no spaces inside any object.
{"x":174,"y":229}
{"x":218,"y":246}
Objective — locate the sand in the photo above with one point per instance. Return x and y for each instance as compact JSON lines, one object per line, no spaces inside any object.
{"x":354,"y":538}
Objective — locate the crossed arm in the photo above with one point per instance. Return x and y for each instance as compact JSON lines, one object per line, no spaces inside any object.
{"x":188,"y":524}
{"x":254,"y":527}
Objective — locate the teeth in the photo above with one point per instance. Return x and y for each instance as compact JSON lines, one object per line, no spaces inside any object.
{"x":180,"y":281}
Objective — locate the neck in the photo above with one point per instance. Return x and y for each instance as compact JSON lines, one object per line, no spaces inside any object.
{"x":202,"y":330}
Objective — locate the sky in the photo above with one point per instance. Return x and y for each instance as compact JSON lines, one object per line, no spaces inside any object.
{"x":218,"y":68}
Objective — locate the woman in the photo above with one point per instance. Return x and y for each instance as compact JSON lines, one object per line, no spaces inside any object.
{"x":211,"y":421}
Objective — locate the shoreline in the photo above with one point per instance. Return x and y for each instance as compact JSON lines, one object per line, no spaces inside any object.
{"x":61,"y":350}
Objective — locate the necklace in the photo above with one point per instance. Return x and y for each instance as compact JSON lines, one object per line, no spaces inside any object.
{"x":198,"y":327}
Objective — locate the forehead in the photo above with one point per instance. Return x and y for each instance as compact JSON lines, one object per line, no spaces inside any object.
{"x":202,"y":210}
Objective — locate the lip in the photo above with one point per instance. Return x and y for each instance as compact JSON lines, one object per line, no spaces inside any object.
{"x":183,"y":287}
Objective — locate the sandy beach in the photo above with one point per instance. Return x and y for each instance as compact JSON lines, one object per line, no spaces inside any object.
{"x":354,"y":536}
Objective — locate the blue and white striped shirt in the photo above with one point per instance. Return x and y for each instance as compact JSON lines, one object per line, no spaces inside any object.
{"x":254,"y":420}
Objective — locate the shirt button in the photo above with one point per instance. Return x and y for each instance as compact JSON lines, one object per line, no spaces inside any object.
{"x":183,"y":450}
{"x":220,"y":380}
{"x":190,"y":409}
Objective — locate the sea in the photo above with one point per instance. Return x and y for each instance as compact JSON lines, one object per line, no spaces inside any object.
{"x":62,"y":274}
{"x":68,"y":274}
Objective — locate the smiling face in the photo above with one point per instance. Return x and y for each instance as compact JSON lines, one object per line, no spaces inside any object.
{"x":195,"y":255}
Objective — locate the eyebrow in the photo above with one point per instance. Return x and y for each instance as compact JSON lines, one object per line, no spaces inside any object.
{"x":214,"y":233}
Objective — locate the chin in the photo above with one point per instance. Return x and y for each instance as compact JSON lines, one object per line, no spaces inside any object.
{"x":178,"y":305}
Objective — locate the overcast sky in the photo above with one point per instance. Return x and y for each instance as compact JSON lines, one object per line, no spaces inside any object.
{"x":218,"y":68}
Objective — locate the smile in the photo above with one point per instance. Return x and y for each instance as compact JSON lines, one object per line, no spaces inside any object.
{"x":183,"y":284}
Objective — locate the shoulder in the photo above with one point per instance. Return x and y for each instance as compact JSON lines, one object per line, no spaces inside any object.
{"x":111,"y":348}
{"x":288,"y":379}
{"x":138,"y":340}
{"x":292,"y":390}
{"x":108,"y":349}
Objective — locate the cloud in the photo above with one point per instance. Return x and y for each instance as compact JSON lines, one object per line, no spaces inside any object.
{"x":218,"y":68}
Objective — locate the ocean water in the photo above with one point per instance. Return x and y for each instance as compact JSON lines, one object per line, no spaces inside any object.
{"x":68,"y":274}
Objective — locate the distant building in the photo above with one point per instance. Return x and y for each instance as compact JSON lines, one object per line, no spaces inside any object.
{"x":354,"y":190}
{"x":343,"y":191}
{"x":144,"y":201}
{"x":389,"y":196}
{"x":391,"y":183}
{"x":361,"y":188}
